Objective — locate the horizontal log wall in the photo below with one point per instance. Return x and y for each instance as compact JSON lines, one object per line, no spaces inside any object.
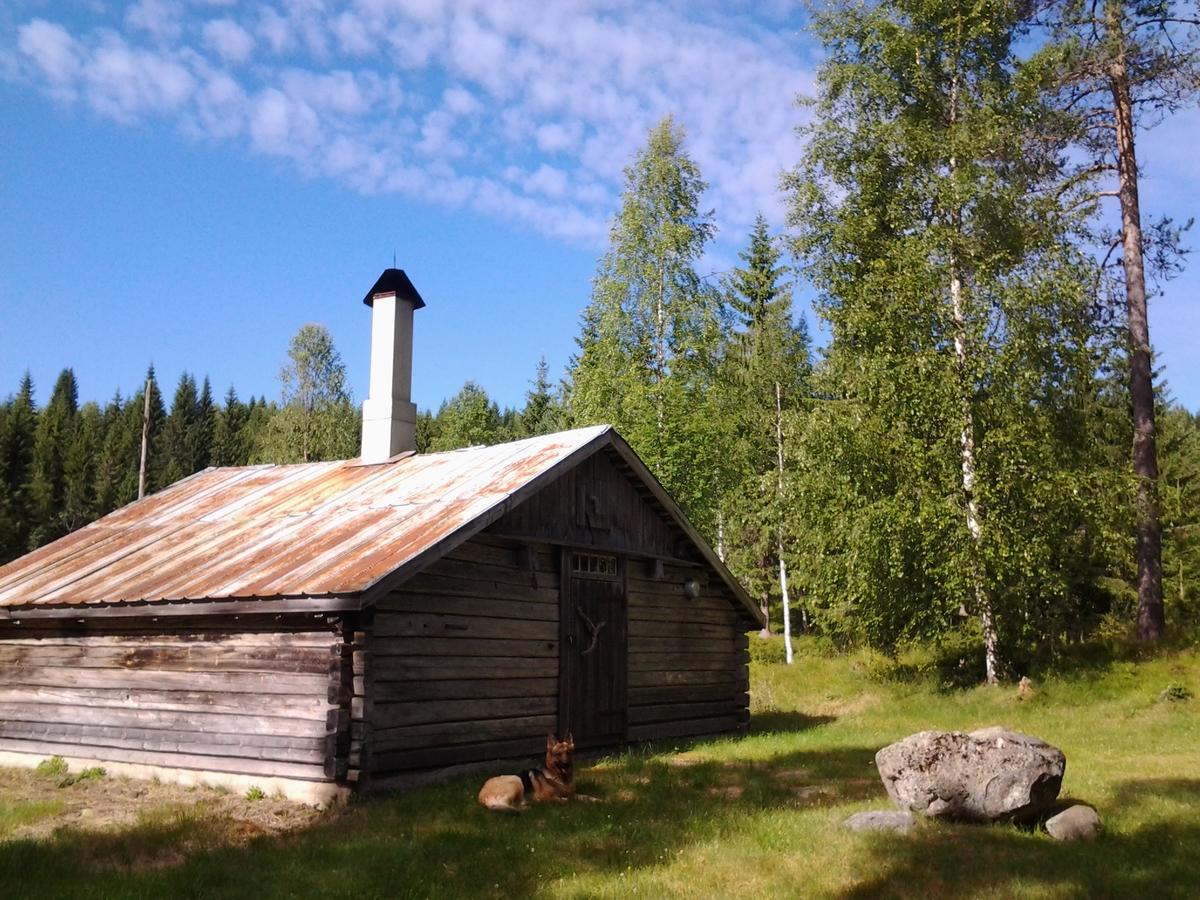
{"x":688,"y":658}
{"x":461,"y":663}
{"x":226,"y":696}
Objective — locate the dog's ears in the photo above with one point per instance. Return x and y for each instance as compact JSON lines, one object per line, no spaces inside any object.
{"x":570,"y":740}
{"x":551,"y":740}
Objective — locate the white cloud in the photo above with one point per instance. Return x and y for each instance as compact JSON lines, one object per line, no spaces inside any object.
{"x":229,"y":40}
{"x":52,"y":50}
{"x":527,"y":113}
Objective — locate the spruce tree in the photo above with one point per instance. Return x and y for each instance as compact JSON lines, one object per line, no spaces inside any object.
{"x":542,"y":413}
{"x":17,"y":438}
{"x":55,"y":431}
{"x":230,"y":437}
{"x":766,"y":371}
{"x":80,"y":504}
{"x":178,"y":440}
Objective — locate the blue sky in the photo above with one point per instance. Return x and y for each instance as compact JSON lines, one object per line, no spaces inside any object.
{"x":189,"y":182}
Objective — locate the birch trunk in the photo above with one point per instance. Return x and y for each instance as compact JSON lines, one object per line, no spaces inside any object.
{"x":1150,"y":616}
{"x":983,"y":600}
{"x":145,"y":441}
{"x":783,"y":582}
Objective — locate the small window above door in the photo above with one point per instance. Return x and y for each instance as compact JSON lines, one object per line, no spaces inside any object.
{"x":593,"y":565}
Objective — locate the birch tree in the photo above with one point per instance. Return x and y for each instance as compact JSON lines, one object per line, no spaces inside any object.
{"x":651,"y":334}
{"x":960,"y":325}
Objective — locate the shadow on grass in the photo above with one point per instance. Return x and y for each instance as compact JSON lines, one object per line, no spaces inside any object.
{"x":779,"y":722}
{"x":1155,"y":859}
{"x":436,"y":841}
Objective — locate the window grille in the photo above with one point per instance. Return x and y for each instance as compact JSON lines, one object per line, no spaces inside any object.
{"x":594,"y":565}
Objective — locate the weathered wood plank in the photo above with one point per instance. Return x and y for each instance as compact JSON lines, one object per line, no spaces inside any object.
{"x":404,"y":760}
{"x":427,"y":583}
{"x":214,"y":723}
{"x":655,"y":730}
{"x":673,"y":645}
{"x":198,"y":658}
{"x":508,"y":572}
{"x":461,"y":626}
{"x":639,"y":612}
{"x":48,"y":638}
{"x":468,"y":606}
{"x":454,"y":646}
{"x":393,"y":668}
{"x":310,"y":750}
{"x":652,"y":662}
{"x":233,"y":682}
{"x":466,"y":689}
{"x":295,"y":706}
{"x":393,"y":715}
{"x":216,"y":763}
{"x":441,"y":734}
{"x":674,"y":712}
{"x":683,"y":693}
{"x":682,"y":628}
{"x":638,"y":679}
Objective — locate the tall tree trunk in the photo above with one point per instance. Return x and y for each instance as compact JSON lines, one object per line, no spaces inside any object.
{"x":983,"y":600}
{"x":1150,"y":615}
{"x":783,"y":583}
{"x":145,"y":441}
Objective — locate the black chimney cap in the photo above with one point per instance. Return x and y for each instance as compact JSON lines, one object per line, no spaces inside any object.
{"x":394,"y":281}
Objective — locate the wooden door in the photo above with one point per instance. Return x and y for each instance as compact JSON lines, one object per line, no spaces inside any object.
{"x":593,"y":670}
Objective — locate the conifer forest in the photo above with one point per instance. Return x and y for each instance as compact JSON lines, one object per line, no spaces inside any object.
{"x":977,"y":451}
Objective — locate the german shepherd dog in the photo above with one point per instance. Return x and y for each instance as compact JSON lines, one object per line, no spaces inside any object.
{"x":553,"y":782}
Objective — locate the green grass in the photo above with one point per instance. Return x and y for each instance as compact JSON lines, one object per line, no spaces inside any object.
{"x":15,"y":813}
{"x":753,"y":817}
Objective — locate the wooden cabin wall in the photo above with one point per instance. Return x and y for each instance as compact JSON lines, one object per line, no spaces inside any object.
{"x":461,"y":663}
{"x":688,"y":658}
{"x":234,"y":697}
{"x":596,"y":505}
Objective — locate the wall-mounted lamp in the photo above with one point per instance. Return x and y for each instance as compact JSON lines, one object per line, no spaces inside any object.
{"x":691,"y":589}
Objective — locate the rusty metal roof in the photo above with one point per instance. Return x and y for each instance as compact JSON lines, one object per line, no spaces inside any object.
{"x":315,"y":530}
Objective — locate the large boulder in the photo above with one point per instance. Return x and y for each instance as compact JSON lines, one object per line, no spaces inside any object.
{"x":986,"y":776}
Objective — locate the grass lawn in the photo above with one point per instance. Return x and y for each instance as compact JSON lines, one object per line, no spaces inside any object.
{"x":757,"y":817}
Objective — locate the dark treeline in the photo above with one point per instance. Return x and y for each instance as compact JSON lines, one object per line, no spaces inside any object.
{"x":66,"y":464}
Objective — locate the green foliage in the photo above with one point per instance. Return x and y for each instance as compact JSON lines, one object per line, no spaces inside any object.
{"x":467,"y":419}
{"x":651,"y":334}
{"x":255,"y":794}
{"x":53,"y":767}
{"x":317,"y":420}
{"x":962,"y":325}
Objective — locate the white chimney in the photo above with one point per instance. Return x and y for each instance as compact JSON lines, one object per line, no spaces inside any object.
{"x":389,"y":415}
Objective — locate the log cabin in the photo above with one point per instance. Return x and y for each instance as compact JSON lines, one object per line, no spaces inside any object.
{"x":320,"y":628}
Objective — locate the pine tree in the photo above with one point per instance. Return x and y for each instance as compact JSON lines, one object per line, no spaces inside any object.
{"x":944,"y":467}
{"x":651,"y":335}
{"x":157,"y":458}
{"x":205,"y":434}
{"x":17,"y":438}
{"x":1123,"y":67}
{"x":55,"y":431}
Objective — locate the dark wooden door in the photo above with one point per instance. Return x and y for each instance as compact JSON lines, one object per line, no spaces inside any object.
{"x":593,"y":671}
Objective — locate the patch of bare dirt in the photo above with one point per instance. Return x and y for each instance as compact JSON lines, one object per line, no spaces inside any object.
{"x":112,"y":807}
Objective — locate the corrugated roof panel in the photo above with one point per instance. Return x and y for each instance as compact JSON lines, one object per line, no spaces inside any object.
{"x":316,"y":529}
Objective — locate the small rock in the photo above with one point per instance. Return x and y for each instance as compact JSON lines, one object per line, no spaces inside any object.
{"x":879,"y":820}
{"x":989,"y":775}
{"x":1075,"y":823}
